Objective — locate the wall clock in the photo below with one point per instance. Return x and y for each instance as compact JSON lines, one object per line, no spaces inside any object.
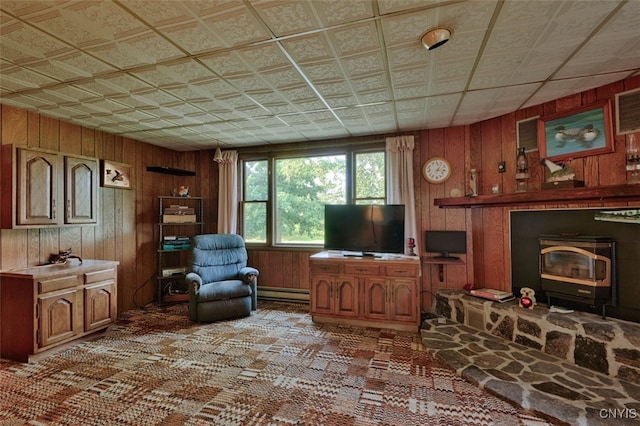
{"x":436,"y":170}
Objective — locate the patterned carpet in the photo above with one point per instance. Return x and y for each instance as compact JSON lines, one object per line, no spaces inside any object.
{"x":277,"y":367}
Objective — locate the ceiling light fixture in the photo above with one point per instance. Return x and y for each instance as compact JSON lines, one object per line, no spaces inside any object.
{"x":435,"y":37}
{"x":217,"y":157}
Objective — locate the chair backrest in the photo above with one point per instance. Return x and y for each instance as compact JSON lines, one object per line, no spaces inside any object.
{"x":217,"y":257}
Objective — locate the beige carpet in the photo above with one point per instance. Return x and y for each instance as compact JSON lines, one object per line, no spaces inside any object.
{"x":274,"y":368}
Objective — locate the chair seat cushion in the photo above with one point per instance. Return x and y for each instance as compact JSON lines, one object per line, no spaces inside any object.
{"x":220,"y":290}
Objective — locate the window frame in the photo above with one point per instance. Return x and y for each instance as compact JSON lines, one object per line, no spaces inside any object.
{"x":349,"y":151}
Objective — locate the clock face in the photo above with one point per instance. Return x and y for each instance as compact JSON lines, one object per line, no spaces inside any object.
{"x":436,"y":170}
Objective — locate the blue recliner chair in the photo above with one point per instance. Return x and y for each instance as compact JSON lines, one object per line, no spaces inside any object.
{"x":221,"y":285}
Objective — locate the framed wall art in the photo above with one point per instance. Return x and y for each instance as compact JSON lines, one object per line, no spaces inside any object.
{"x":577,"y":133}
{"x":115,"y":175}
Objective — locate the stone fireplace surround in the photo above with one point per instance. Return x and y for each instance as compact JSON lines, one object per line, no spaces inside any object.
{"x":608,"y":346}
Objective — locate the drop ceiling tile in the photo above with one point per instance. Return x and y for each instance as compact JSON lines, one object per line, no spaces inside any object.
{"x":364,"y":64}
{"x":23,"y":44}
{"x":15,"y":78}
{"x":283,"y":78}
{"x":319,"y":72}
{"x":334,"y":89}
{"x":309,"y":48}
{"x":264,"y":57}
{"x":237,"y":27}
{"x":287,"y":17}
{"x":175,"y":73}
{"x":354,"y":39}
{"x":144,"y":49}
{"x":337,"y":12}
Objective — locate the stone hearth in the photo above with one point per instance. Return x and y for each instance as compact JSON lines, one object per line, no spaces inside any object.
{"x":608,"y":346}
{"x":533,"y":358}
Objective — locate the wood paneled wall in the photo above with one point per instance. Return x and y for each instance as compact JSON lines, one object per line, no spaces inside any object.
{"x":482,"y":146}
{"x":127,"y":228}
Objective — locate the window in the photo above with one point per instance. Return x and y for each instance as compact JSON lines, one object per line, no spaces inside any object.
{"x":284,"y":196}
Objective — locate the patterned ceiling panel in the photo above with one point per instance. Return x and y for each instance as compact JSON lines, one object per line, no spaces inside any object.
{"x":194,"y":74}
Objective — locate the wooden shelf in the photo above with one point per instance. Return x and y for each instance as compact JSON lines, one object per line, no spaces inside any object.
{"x":564,"y":195}
{"x":170,"y":171}
{"x":443,"y":261}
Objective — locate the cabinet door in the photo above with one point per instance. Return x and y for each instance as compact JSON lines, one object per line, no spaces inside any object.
{"x":376,"y":304}
{"x":99,"y":305}
{"x":81,"y":190}
{"x":322,"y":294}
{"x":346,"y":296}
{"x":403,"y":300}
{"x":57,"y":317}
{"x":37,"y":187}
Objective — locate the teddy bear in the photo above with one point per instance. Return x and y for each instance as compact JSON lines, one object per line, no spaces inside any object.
{"x":527,"y":298}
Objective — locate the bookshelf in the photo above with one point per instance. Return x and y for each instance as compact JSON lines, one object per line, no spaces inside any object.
{"x":179,"y":218}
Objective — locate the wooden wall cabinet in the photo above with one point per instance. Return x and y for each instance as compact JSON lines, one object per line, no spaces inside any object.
{"x":43,"y":188}
{"x":380,"y":292}
{"x":42,"y":307}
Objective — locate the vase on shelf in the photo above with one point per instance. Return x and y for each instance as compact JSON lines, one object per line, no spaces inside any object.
{"x":633,"y":160}
{"x":522,"y":171}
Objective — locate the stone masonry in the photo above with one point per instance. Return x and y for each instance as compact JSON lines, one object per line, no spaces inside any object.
{"x":608,"y":346}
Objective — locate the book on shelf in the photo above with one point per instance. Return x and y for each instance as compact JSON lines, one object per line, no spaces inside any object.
{"x":493,"y":294}
{"x":178,"y":211}
{"x":178,"y":218}
{"x":176,"y":238}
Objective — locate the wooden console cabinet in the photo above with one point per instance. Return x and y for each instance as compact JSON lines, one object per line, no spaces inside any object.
{"x":42,"y":307}
{"x":371,"y":292}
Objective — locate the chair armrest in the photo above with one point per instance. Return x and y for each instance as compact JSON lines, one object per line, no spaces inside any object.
{"x":193,"y":282}
{"x":248,"y":274}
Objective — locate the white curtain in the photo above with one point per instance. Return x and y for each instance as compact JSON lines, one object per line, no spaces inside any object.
{"x":400,"y":182}
{"x":228,"y":193}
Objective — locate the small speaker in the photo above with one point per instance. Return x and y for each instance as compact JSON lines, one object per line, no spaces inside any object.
{"x":628,"y":112}
{"x":527,"y":134}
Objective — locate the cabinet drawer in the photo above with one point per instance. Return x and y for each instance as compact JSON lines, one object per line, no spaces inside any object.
{"x":323,"y":268}
{"x":361,"y":269}
{"x":401,"y":271}
{"x":55,"y":284}
{"x":97,"y":276}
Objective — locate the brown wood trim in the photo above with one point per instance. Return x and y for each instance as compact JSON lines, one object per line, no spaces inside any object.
{"x":570,"y":195}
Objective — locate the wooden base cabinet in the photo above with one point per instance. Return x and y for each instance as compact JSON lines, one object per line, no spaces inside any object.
{"x":378,"y":292}
{"x":43,"y":307}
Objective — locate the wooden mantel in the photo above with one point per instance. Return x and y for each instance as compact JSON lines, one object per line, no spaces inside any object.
{"x":564,"y":195}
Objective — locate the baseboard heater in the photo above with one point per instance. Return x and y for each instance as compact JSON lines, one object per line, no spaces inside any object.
{"x":283,"y":294}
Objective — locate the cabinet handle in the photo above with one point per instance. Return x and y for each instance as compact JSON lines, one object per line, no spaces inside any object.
{"x":53,"y":214}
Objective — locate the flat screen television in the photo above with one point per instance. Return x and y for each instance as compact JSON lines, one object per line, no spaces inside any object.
{"x":365,"y":229}
{"x":445,"y":243}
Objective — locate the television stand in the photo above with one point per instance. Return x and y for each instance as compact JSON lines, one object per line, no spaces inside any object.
{"x":441,"y":261}
{"x":365,"y":291}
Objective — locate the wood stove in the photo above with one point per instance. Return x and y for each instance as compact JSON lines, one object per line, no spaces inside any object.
{"x":579,"y":269}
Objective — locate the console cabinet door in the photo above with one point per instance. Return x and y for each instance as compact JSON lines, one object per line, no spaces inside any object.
{"x":81,"y":190}
{"x":376,"y":295}
{"x":346,"y":291}
{"x":37,"y":187}
{"x":99,"y":305}
{"x":58,"y":317}
{"x":403,"y":300}
{"x":322,"y":294}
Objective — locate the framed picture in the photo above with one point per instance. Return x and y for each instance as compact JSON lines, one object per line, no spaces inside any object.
{"x":578,"y":133}
{"x":115,"y":175}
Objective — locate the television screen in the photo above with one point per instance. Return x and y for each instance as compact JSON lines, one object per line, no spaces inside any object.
{"x":446,"y":242}
{"x":364,"y":228}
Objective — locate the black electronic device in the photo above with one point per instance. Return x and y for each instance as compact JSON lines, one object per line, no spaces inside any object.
{"x":364,"y":229}
{"x":445,"y":243}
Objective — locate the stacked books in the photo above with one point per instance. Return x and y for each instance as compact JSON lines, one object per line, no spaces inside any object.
{"x":172,"y":242}
{"x":492,"y":294}
{"x":177,"y":213}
